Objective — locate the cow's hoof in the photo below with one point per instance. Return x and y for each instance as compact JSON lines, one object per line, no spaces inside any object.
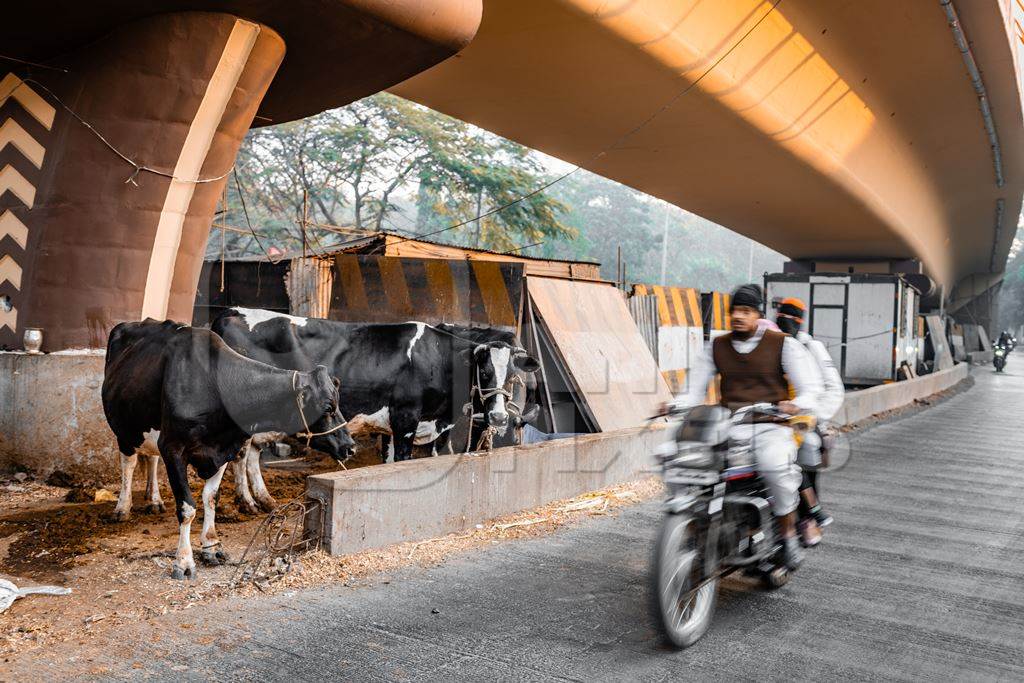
{"x":181,"y":573}
{"x":212,"y":558}
{"x":155,"y":508}
{"x":246,"y":507}
{"x":120,"y":515}
{"x":267,"y":504}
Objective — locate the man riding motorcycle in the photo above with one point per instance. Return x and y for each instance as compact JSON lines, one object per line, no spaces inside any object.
{"x":759,"y":365}
{"x":790,"y":320}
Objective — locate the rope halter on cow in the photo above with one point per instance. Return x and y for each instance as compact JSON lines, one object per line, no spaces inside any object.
{"x":308,"y":434}
{"x":513,"y":408}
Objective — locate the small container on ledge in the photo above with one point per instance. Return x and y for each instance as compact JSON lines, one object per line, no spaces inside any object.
{"x":33,"y":340}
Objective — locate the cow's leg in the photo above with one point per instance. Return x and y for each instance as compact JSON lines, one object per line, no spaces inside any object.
{"x":123,"y":509}
{"x":443,"y":442}
{"x":243,"y":497}
{"x":156,"y":503}
{"x":403,"y":431}
{"x":259,"y":487}
{"x":211,"y":552}
{"x":185,"y":506}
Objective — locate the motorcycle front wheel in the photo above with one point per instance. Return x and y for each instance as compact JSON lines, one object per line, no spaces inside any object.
{"x":682,"y":606}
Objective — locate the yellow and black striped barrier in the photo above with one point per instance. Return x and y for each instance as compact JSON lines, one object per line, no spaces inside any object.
{"x":391,"y":289}
{"x":680,"y":333}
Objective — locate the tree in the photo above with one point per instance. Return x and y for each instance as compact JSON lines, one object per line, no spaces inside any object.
{"x":352,"y":166}
{"x":386,"y":163}
{"x":1011,"y":295}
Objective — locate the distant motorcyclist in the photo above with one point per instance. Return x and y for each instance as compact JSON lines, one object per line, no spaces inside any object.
{"x":759,"y":365}
{"x":790,"y":319}
{"x":1005,"y":340}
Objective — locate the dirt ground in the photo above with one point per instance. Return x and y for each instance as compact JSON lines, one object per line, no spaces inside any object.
{"x":50,"y":535}
{"x":119,"y":572}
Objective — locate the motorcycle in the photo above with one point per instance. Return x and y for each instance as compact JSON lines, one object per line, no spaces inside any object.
{"x":718,"y":519}
{"x":999,"y":354}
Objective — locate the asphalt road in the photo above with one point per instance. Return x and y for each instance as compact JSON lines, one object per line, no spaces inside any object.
{"x":921,"y":577}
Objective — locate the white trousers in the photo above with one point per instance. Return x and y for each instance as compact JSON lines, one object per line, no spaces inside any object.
{"x":775,"y":454}
{"x":809,"y":454}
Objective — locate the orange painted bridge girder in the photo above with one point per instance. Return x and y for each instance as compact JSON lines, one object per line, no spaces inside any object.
{"x":838,"y":130}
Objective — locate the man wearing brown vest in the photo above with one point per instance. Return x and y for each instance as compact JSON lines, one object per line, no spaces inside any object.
{"x":759,"y":365}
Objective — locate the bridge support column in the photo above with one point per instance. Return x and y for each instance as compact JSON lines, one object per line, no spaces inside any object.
{"x":88,"y":237}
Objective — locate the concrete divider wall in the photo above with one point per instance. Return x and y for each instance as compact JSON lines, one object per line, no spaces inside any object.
{"x":860,"y":405}
{"x":418,"y":499}
{"x":375,"y":506}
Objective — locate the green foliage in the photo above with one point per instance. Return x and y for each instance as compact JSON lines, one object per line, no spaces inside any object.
{"x":1011,"y":295}
{"x":697,"y":253}
{"x":386,"y":163}
{"x":356,"y":165}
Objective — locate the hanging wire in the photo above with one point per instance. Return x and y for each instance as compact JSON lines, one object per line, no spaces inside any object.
{"x":668,"y":105}
{"x":248,"y":223}
{"x":525,"y":246}
{"x":35,"y":64}
{"x":139,"y":167}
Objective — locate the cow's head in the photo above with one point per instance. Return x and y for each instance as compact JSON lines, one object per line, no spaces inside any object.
{"x":320,"y":398}
{"x":494,"y":364}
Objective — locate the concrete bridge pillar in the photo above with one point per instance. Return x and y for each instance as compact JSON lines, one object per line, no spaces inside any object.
{"x":101,"y":215}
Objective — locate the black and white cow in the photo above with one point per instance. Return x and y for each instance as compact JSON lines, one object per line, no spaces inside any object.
{"x":206,"y":400}
{"x":403,"y":378}
{"x":527,"y":406}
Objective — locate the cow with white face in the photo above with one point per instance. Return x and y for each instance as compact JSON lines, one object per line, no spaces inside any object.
{"x":495,"y":365}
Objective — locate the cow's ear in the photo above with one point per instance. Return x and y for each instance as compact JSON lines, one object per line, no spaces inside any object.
{"x":527,"y":363}
{"x":467,"y":356}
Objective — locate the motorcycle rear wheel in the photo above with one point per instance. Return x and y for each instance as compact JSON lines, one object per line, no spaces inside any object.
{"x":681,"y":613}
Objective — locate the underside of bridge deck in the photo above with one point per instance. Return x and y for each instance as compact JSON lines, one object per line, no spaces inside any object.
{"x":827,"y":130}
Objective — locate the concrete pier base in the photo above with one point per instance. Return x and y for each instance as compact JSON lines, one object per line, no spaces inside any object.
{"x":51,"y":417}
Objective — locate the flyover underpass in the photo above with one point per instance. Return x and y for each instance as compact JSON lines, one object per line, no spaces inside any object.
{"x":840,"y":132}
{"x":920,"y":577}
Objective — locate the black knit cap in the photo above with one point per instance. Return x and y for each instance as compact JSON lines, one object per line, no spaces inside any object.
{"x":747,"y":295}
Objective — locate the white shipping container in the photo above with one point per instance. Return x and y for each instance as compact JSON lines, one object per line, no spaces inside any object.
{"x":866,"y":321}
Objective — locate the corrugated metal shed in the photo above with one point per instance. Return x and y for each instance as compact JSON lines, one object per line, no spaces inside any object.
{"x":416,"y":279}
{"x":644,"y":310}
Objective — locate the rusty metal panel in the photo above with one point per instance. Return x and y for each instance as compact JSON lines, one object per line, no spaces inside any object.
{"x":644,"y":310}
{"x":602,"y":350}
{"x":310,"y":284}
{"x":393,"y":289}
